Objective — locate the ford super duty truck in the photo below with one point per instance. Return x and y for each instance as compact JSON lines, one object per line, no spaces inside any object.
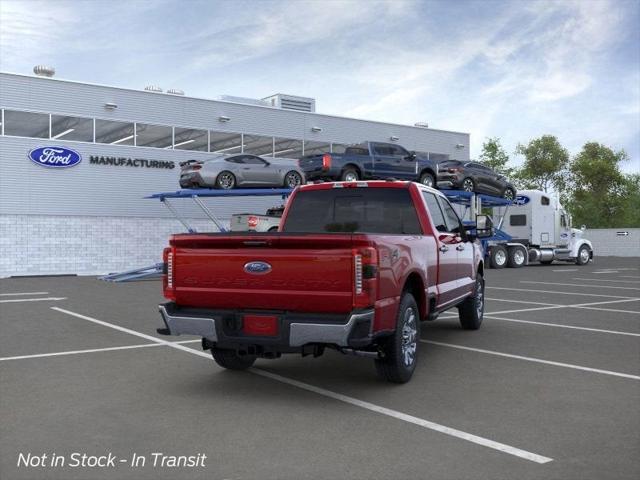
{"x":371,"y":160}
{"x":354,"y":266}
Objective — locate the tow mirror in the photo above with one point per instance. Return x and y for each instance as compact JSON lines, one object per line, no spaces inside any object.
{"x":484,"y":226}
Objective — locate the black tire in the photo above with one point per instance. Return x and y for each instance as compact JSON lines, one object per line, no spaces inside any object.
{"x":225,"y":180}
{"x":468,"y":185}
{"x":273,"y":229}
{"x":498,"y":257}
{"x":427,"y":179}
{"x":509,"y":193}
{"x":517,"y":257}
{"x":584,"y":255}
{"x":471,"y":311}
{"x":403,"y":344}
{"x":231,"y":360}
{"x":292,"y":179}
{"x":349,"y":174}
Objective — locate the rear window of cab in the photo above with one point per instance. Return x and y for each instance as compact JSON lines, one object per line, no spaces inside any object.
{"x":353,"y":210}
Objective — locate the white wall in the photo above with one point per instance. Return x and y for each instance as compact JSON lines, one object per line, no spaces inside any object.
{"x":607,"y":242}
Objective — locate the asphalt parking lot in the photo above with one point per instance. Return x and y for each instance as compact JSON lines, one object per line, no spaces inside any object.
{"x":549,"y":388}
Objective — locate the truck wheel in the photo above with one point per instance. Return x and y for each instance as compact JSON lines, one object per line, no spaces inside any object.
{"x":225,"y":180}
{"x":498,"y":257}
{"x":517,"y":257}
{"x":584,"y":255}
{"x":401,"y":349}
{"x":471,"y":311}
{"x":231,"y":360}
{"x":509,"y":194}
{"x":349,"y":175}
{"x":427,"y":180}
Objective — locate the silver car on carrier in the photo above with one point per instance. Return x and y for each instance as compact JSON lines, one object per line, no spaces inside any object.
{"x":244,"y":170}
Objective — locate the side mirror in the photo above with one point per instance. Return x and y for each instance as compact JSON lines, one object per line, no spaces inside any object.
{"x":266,"y":164}
{"x":583,"y":227}
{"x":484,"y":226}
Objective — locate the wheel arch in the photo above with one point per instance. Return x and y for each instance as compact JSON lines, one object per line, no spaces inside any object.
{"x":428,"y":170}
{"x":414,"y":284}
{"x":355,"y":167}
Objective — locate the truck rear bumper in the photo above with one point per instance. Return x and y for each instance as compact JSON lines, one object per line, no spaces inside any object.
{"x":294,"y":330}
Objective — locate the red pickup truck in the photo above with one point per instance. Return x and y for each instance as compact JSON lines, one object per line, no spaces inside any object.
{"x":354,"y":266}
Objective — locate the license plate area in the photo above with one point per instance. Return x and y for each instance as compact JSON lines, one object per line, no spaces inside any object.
{"x":260,"y":325}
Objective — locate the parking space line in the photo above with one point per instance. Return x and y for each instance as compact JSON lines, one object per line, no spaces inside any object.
{"x":629,"y":276}
{"x":47,"y":299}
{"x":561,"y":293}
{"x":533,"y":457}
{"x":637,"y":282}
{"x":407,"y":418}
{"x":566,"y":270}
{"x":545,"y":324}
{"x":580,"y":285}
{"x":521,"y":301}
{"x":23,"y":293}
{"x":578,"y":305}
{"x":91,"y":350}
{"x":535,"y":360}
{"x":610,"y":310}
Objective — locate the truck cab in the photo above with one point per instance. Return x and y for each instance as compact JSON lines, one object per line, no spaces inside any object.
{"x":537,"y":222}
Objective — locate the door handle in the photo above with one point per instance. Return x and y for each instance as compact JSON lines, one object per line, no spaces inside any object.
{"x":443,"y":248}
{"x":460,"y":248}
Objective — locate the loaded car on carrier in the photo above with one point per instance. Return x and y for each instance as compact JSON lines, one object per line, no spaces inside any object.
{"x":354,"y":266}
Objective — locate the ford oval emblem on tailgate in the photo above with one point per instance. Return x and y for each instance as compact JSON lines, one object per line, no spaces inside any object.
{"x":257,"y":268}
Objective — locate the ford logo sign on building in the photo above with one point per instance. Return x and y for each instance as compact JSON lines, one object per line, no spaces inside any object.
{"x":55,"y":157}
{"x":257,"y":268}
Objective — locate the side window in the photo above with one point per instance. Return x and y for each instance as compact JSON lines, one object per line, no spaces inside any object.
{"x":435,"y":212}
{"x":451,"y":217}
{"x":518,"y":220}
{"x":398,"y":151}
{"x":238,"y":159}
{"x":544,"y":201}
{"x":563,"y":220}
{"x":253,"y":160}
{"x":382,"y":149}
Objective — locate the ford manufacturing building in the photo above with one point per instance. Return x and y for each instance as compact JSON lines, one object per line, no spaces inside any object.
{"x":93,"y":218}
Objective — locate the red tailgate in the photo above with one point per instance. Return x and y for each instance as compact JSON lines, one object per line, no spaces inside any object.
{"x":305,"y":273}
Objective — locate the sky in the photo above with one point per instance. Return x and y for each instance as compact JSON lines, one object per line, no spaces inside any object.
{"x":509,"y":69}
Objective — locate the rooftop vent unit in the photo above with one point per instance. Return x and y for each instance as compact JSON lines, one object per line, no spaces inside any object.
{"x":291,"y":102}
{"x":175,"y":91}
{"x":421,"y":124}
{"x":245,"y":100}
{"x":44,"y":71}
{"x":153,"y":88}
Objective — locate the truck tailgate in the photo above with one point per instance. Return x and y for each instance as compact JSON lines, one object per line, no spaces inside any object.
{"x":290,"y":272}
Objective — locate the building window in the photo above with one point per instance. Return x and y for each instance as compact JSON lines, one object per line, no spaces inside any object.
{"x":287,"y":148}
{"x":157,"y":136}
{"x":71,"y":128}
{"x":26,"y":124}
{"x":190,"y":139}
{"x":114,"y":133}
{"x":316,"y":148}
{"x":225,"y":143}
{"x":258,"y":145}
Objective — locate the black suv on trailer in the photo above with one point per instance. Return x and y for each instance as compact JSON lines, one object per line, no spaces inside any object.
{"x":474,"y":177}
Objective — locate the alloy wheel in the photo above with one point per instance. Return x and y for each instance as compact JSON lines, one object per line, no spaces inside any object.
{"x":467,"y":185}
{"x":409,"y":337}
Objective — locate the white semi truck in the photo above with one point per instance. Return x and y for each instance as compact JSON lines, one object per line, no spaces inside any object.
{"x":538,"y":229}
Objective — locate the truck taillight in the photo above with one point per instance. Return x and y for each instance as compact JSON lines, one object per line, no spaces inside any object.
{"x":326,"y":161}
{"x":365,"y":277}
{"x":167,"y":278}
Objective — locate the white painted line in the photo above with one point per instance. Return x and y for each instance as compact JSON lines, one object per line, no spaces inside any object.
{"x":23,"y":293}
{"x":611,"y":310}
{"x":536,"y":360}
{"x":637,"y":282}
{"x":91,"y":350}
{"x":578,"y":305}
{"x":337,"y":396}
{"x":566,"y":270}
{"x":629,"y":276}
{"x":581,"y":285}
{"x":524,"y":290}
{"x":47,"y":299}
{"x":527,"y":309}
{"x":521,"y":301}
{"x":598,"y":330}
{"x":407,"y":418}
{"x":606,"y":271}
